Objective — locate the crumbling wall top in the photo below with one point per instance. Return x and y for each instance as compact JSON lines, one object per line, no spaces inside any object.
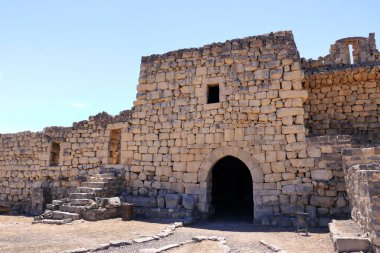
{"x":347,"y":51}
{"x":226,"y":47}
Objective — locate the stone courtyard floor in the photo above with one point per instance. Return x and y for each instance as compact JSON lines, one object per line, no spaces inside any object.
{"x":17,"y":234}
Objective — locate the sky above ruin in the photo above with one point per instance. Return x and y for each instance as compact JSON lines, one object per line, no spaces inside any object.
{"x":61,"y":61}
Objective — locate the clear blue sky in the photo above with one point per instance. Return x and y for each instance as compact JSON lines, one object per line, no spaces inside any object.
{"x":61,"y":61}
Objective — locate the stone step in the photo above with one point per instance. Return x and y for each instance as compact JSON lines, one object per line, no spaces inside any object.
{"x":59,"y":215}
{"x":55,"y":222}
{"x":347,"y":236}
{"x":94,"y":184}
{"x":111,"y":175}
{"x":82,"y":195}
{"x":72,"y":209}
{"x":81,"y":202}
{"x":89,"y":190}
{"x":101,"y":179}
{"x":51,"y":207}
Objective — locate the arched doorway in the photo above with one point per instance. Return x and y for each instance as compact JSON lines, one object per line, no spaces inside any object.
{"x":232,"y":193}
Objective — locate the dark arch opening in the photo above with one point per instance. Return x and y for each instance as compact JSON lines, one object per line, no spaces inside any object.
{"x":232,"y":193}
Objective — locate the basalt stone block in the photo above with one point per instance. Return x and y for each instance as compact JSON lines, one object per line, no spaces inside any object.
{"x":141,"y":201}
{"x":291,"y":209}
{"x":322,"y":201}
{"x":188,"y":201}
{"x":303,"y":189}
{"x":172,"y":200}
{"x":109,"y":202}
{"x":161,"y":201}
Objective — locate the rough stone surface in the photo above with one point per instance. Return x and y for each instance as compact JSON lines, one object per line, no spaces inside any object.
{"x":272,"y":110}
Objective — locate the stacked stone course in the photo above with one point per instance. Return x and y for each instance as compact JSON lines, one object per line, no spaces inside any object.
{"x":260,"y":112}
{"x":344,"y":101}
{"x":29,"y":182}
{"x":169,"y":142}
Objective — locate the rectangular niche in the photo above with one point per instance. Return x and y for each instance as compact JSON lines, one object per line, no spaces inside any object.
{"x":54,"y":153}
{"x":114,"y":149}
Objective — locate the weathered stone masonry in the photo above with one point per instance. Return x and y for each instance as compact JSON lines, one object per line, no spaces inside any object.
{"x":270,"y":111}
{"x":176,"y":136}
{"x":29,"y":180}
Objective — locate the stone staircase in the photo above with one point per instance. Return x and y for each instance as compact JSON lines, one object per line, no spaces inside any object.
{"x":95,"y":199}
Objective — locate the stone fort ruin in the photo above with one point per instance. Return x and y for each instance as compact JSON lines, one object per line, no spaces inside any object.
{"x":244,"y":128}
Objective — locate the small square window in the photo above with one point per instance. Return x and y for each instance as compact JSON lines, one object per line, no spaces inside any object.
{"x":213,"y":94}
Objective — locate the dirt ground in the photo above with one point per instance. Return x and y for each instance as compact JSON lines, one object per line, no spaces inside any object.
{"x":241,"y":234}
{"x":212,"y":247}
{"x":17,"y":234}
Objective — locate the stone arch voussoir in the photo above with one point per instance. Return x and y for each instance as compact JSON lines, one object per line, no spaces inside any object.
{"x":215,"y":155}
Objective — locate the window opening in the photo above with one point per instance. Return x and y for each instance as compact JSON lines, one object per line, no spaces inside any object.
{"x":213,"y":94}
{"x":54,"y":153}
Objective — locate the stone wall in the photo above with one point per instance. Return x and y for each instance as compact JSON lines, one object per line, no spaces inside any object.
{"x":363,"y":51}
{"x":247,"y":98}
{"x":328,"y":198}
{"x":362,"y":172}
{"x":363,"y":190}
{"x":176,"y":136}
{"x":344,"y":101}
{"x":29,"y":178}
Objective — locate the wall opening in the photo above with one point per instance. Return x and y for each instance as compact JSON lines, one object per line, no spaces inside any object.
{"x":54,"y":153}
{"x":115,"y":147}
{"x":213,"y":94}
{"x":232,"y":190}
{"x":351,"y":53}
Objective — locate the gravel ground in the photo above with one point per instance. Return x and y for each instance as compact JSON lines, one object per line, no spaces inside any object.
{"x":242,"y":237}
{"x":17,"y":234}
{"x":180,"y":236}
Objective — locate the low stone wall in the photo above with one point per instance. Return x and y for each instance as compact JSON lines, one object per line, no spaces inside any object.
{"x":355,"y":156}
{"x":363,"y":188}
{"x":328,"y":199}
{"x":165,"y":206}
{"x":38,"y":167}
{"x":362,"y":169}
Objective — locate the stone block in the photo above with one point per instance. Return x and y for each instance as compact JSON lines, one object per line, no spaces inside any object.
{"x":294,"y":75}
{"x":109,"y":202}
{"x":141,"y":201}
{"x":321,"y":175}
{"x":303,"y":94}
{"x":274,"y":177}
{"x":172,"y":200}
{"x":190,"y":177}
{"x":160,"y":201}
{"x":293,"y":111}
{"x":291,"y":209}
{"x":289,"y":189}
{"x":278,"y":167}
{"x":261,"y":74}
{"x":351,"y":244}
{"x":188,"y":201}
{"x":322,"y":201}
{"x":313,"y":151}
{"x":293,"y":129}
{"x":304,"y":189}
